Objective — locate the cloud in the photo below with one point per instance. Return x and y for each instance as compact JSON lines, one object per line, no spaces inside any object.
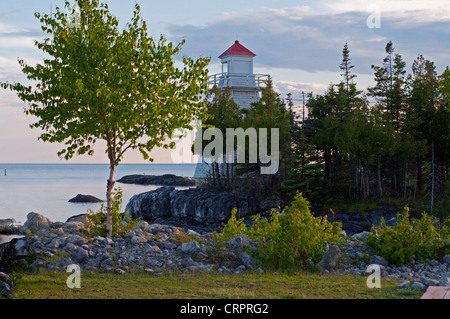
{"x":305,"y":39}
{"x":285,"y":87}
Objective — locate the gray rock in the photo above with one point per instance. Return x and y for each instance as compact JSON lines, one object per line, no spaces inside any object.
{"x":361,"y":236}
{"x":82,"y":218}
{"x":191,"y":247}
{"x":429,"y":282}
{"x":36,"y":222}
{"x":404,"y":284}
{"x":163,"y":180}
{"x":199,"y":204}
{"x":418,"y":285}
{"x":240,"y":269}
{"x":378,"y":261}
{"x":152,"y":249}
{"x":330,"y":258}
{"x":9,"y":222}
{"x":447,"y":259}
{"x":80,"y":255}
{"x":248,"y":261}
{"x":445,"y":280}
{"x":85,"y":199}
{"x":5,"y":290}
{"x":60,"y":265}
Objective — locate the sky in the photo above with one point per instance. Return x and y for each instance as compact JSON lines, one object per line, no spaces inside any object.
{"x":299,"y":43}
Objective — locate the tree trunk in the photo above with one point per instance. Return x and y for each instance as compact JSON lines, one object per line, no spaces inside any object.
{"x":406,"y":179}
{"x":109,"y":188}
{"x":419,"y":173}
{"x":432,"y":177}
{"x":380,"y":187}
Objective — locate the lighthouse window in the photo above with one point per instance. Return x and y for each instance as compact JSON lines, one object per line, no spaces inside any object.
{"x":224,"y":67}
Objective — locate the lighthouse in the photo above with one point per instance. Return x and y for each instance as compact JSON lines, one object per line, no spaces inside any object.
{"x":245,"y":88}
{"x":237,"y":74}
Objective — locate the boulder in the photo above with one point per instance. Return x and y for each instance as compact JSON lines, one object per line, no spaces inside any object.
{"x":6,"y":223}
{"x":85,"y":199}
{"x":163,"y":180}
{"x":191,"y":247}
{"x":82,"y":218}
{"x":150,"y":205}
{"x":447,"y":259}
{"x":15,"y":249}
{"x":330,"y":258}
{"x":378,"y":261}
{"x":36,"y":222}
{"x":202,"y":205}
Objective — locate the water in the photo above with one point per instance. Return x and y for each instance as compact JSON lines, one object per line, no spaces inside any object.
{"x":47,"y":188}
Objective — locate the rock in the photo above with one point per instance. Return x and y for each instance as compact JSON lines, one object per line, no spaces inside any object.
{"x":73,"y":227}
{"x":81,"y":255}
{"x":202,"y":205}
{"x":5,"y":290}
{"x":361,"y":236}
{"x":36,"y":222}
{"x":240,"y":269}
{"x":418,"y":285}
{"x":60,"y":265}
{"x":152,"y":249}
{"x":82,"y":218}
{"x":13,"y":250}
{"x":248,"y":260}
{"x":429,"y":282}
{"x":85,"y":199}
{"x":330,"y":258}
{"x":191,"y":247}
{"x":163,"y":180}
{"x":447,"y":259}
{"x":445,"y":280}
{"x":7,"y":223}
{"x":378,"y":261}
{"x":150,"y":205}
{"x":404,"y":284}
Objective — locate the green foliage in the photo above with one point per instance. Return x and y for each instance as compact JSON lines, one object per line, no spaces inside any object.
{"x":409,"y":240}
{"x":102,"y":83}
{"x":122,"y":223}
{"x":234,"y":227}
{"x":293,"y":238}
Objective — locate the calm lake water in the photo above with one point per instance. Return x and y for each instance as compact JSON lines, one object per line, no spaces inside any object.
{"x":47,"y":188}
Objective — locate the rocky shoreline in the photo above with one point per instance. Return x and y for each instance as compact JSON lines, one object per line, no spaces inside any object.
{"x":163,"y":180}
{"x":161,"y":249}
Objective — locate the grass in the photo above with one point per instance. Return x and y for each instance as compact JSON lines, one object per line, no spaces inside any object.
{"x":141,"y":285}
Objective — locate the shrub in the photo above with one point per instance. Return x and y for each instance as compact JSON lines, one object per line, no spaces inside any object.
{"x":122,"y":223}
{"x":292,"y":239}
{"x":409,"y":240}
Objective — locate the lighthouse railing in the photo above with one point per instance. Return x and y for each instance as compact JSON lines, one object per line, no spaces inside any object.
{"x":237,"y":80}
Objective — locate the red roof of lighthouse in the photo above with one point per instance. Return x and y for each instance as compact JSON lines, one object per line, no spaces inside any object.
{"x":237,"y":49}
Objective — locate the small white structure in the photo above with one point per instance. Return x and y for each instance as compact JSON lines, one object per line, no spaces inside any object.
{"x":237,"y":74}
{"x":245,"y":87}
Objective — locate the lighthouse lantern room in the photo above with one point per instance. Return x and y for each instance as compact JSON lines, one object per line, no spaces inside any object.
{"x":237,"y":74}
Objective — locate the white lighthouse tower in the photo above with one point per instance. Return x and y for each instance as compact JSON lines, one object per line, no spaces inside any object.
{"x":237,"y":74}
{"x":245,"y":87}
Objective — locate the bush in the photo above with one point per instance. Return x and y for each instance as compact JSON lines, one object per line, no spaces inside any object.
{"x":292,"y":239}
{"x":122,"y":223}
{"x":409,"y":240}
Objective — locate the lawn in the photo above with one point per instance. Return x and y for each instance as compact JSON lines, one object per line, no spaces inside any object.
{"x":141,"y":285}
